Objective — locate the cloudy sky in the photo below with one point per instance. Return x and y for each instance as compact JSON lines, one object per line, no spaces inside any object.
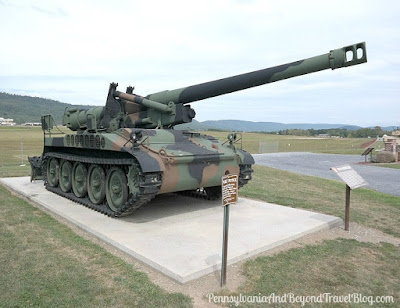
{"x":71,"y":50}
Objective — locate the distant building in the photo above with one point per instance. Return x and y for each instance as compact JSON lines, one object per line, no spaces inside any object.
{"x":32,"y":124}
{"x":395,"y":136}
{"x":7,"y":122}
{"x":392,"y":143}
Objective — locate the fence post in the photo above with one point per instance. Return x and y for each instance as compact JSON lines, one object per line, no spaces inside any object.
{"x":22,"y":154}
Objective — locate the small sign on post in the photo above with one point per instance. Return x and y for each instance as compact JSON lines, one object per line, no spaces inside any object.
{"x":353,"y":180}
{"x":229,"y":196}
{"x":229,"y":189}
{"x":366,"y":152}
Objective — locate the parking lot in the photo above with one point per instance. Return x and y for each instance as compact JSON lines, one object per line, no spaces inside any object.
{"x":381,"y":179}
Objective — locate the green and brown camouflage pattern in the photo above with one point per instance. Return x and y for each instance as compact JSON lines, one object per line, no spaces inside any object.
{"x":120,"y":156}
{"x":187,"y":160}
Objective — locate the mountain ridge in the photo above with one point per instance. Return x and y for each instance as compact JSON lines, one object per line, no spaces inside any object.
{"x":24,"y":108}
{"x":250,"y":126}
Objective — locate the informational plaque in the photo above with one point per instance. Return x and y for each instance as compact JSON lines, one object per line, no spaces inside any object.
{"x":230,"y":189}
{"x":229,"y":196}
{"x":349,"y":176}
{"x":367,"y":151}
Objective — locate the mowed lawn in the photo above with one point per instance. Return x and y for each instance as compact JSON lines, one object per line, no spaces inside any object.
{"x":333,"y":272}
{"x":11,"y":155}
{"x":254,"y":142}
{"x":45,"y":264}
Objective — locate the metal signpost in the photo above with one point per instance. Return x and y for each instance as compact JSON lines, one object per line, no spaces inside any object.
{"x":229,"y":196}
{"x":353,"y":180}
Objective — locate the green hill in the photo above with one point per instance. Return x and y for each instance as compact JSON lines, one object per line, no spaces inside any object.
{"x":30,"y":109}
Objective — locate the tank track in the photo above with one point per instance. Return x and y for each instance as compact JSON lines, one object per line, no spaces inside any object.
{"x":245,"y":175}
{"x":148,"y":189}
{"x":201,"y":193}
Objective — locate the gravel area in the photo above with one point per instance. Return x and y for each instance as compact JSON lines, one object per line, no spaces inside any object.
{"x":385,"y":180}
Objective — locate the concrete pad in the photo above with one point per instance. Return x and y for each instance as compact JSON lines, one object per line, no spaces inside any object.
{"x":182,"y":236}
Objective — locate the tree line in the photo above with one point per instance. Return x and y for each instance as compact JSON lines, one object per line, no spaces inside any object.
{"x":377,"y":131}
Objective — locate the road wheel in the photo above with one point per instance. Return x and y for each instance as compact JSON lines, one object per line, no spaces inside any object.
{"x":79,"y":180}
{"x":65,"y":177}
{"x":116,"y":189}
{"x":53,"y":167}
{"x":96,"y":184}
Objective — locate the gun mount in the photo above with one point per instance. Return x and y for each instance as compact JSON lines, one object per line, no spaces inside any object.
{"x":168,"y":108}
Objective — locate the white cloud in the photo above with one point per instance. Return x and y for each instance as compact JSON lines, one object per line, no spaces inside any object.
{"x":77,"y":47}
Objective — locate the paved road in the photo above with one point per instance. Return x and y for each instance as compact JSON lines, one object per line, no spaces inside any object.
{"x":381,"y":179}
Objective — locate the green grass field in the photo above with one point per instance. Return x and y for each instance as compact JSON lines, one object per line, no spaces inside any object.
{"x":279,"y":143}
{"x":10,"y":149}
{"x":32,"y":142}
{"x":338,"y":267}
{"x":45,"y":264}
{"x":392,"y":165}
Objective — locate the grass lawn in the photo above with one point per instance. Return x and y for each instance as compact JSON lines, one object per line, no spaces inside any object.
{"x":373,"y":209}
{"x":45,"y":264}
{"x":10,"y":149}
{"x":392,"y":165}
{"x":339,"y":267}
{"x":281,"y":143}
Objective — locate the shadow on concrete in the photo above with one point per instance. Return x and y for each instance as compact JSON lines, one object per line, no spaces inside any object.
{"x":167,"y":205}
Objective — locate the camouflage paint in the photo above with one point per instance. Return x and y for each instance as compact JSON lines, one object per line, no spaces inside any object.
{"x":187,"y":160}
{"x":334,"y":59}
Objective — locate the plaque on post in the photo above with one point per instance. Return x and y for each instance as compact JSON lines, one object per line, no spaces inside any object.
{"x":229,"y":189}
{"x":229,"y":196}
{"x":366,"y":152}
{"x":350,"y":176}
{"x":353,"y":180}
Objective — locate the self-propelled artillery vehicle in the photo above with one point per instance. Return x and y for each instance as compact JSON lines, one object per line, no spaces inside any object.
{"x":118,"y":157}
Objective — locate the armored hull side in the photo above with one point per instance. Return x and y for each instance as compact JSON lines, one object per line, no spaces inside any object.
{"x":78,"y":166}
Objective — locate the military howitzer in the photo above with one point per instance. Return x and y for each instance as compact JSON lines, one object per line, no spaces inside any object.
{"x":126,"y":153}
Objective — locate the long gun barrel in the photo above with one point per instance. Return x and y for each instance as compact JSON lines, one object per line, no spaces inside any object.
{"x":167,"y":108}
{"x":337,"y":58}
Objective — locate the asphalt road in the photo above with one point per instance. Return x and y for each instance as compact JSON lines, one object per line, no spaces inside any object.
{"x":381,"y":179}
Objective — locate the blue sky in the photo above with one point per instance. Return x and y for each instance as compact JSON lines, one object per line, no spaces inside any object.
{"x":71,"y":50}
